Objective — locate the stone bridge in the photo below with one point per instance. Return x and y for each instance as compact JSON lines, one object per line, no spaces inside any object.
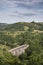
{"x":19,"y":50}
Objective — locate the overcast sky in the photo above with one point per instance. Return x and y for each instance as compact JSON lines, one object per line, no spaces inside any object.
{"x":12,"y":11}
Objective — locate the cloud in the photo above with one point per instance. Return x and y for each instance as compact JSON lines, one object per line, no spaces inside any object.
{"x":18,"y":9}
{"x":34,"y":4}
{"x":22,"y":15}
{"x":29,"y":14}
{"x":40,"y":3}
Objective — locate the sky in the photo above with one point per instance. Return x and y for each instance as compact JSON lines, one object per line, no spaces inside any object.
{"x":12,"y":11}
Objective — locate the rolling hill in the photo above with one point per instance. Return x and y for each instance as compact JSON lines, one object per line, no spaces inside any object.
{"x":13,"y":35}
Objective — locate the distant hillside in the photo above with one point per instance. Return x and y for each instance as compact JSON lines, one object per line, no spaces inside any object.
{"x":23,"y":26}
{"x":3,"y":25}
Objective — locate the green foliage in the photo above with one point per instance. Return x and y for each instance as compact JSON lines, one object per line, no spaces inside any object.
{"x":10,"y":38}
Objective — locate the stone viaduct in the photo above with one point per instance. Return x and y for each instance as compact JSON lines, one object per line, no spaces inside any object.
{"x":19,"y":50}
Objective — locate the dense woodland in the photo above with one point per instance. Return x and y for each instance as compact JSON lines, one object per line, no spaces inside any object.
{"x":13,"y":35}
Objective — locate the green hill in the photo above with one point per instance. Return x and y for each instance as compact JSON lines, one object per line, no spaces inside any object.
{"x":20,"y":26}
{"x":3,"y":25}
{"x":13,"y":35}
